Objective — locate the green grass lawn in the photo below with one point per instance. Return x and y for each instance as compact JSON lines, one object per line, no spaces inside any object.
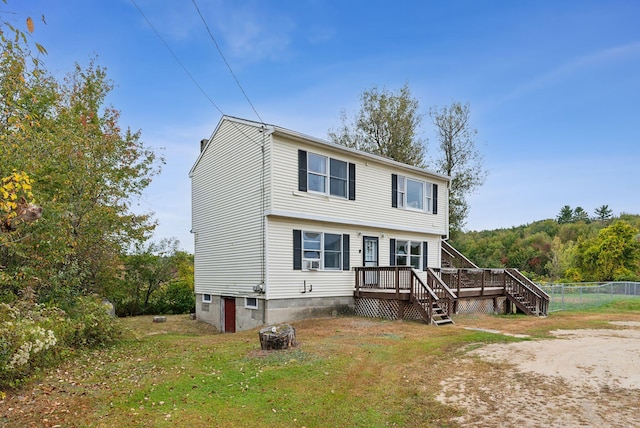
{"x":345,"y":372}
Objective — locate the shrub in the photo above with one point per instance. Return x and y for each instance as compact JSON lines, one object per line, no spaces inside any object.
{"x":90,"y":325}
{"x":28,"y":339}
{"x":34,"y":336}
{"x":175,"y":298}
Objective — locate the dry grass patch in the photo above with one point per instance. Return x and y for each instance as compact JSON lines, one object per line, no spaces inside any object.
{"x":345,"y":372}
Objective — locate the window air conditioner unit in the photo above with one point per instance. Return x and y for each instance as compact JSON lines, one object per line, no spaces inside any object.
{"x":313,"y":264}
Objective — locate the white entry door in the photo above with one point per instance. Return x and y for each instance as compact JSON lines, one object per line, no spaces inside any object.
{"x":370,"y":259}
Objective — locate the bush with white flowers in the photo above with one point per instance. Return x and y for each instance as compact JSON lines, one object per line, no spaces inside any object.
{"x":24,"y":338}
{"x":34,"y":336}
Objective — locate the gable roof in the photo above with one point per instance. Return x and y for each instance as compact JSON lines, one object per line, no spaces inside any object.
{"x":307,"y":139}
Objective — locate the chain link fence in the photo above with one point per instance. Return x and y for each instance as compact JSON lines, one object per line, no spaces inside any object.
{"x":576,"y":296}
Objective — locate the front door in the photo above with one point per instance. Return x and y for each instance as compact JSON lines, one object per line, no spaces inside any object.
{"x":229,"y":314}
{"x":370,"y":259}
{"x":370,"y":245}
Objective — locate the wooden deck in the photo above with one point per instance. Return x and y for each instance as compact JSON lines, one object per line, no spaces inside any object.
{"x":432,"y":299}
{"x":445,"y":287}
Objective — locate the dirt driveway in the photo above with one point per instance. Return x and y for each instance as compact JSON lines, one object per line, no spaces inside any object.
{"x":583,"y":378}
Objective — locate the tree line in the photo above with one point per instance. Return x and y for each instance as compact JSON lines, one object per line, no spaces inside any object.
{"x":570,"y":248}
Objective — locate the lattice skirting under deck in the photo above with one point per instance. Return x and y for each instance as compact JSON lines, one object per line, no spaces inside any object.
{"x":482,"y":306}
{"x":381,"y":308}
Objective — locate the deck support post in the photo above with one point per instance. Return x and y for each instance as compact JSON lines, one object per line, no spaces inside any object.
{"x":401,"y":309}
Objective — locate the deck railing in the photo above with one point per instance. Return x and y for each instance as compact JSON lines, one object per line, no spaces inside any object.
{"x":443,"y":286}
{"x":532,"y":298}
{"x":453,"y":258}
{"x":384,"y":278}
{"x":406,"y":279}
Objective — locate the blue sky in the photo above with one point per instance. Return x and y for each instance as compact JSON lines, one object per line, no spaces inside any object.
{"x":553,"y":86}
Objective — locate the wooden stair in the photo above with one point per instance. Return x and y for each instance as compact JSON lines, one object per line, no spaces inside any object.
{"x":433,"y":299}
{"x":439,"y":316}
{"x":527,"y":296}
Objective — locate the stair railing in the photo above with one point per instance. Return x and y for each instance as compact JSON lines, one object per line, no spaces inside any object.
{"x":454,"y":258}
{"x":535,"y":300}
{"x":434,"y":292}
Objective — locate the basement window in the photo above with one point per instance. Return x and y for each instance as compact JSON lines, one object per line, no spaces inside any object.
{"x":206,"y":298}
{"x":251,"y":303}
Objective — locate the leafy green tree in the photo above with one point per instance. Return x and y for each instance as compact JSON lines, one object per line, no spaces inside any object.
{"x":386,"y":125}
{"x":566,"y":215}
{"x":458,"y":158}
{"x":86,"y":172}
{"x":603,"y":213}
{"x":158,"y":278}
{"x":561,"y":258}
{"x":613,"y":255}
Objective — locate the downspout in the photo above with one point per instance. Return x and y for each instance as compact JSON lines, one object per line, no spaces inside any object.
{"x":265,"y":131}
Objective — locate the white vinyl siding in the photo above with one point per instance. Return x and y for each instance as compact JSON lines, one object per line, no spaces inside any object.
{"x":373,"y":190}
{"x":227,"y":211}
{"x":285,"y":282}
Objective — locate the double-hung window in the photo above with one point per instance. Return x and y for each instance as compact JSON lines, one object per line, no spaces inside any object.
{"x":326,"y":175}
{"x":412,"y":194}
{"x":338,"y":178}
{"x":320,"y":251}
{"x":317,"y":173}
{"x":408,"y":253}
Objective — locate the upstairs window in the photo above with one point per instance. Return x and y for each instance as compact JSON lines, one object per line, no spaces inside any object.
{"x":322,"y":174}
{"x":317,"y":173}
{"x":414,"y":194}
{"x":338,"y":177}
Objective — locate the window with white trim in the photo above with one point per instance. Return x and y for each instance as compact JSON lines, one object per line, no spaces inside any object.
{"x":321,"y":251}
{"x":206,"y":298}
{"x":414,"y":194}
{"x":317,"y":173}
{"x":251,"y":302}
{"x":326,"y":175}
{"x":409,"y":253}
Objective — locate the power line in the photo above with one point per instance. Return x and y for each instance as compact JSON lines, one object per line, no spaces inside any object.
{"x":176,"y":58}
{"x":195,"y":82}
{"x":225,"y":61}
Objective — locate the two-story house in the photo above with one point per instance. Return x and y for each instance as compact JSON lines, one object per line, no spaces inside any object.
{"x":281,"y":220}
{"x":288,"y":226}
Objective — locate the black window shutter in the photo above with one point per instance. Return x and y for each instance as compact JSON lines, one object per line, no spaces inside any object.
{"x":392,"y":252}
{"x":302,"y":170}
{"x":345,"y":252}
{"x":425,"y":258}
{"x":435,"y":199}
{"x":352,"y":181}
{"x":394,"y":190}
{"x":297,"y":249}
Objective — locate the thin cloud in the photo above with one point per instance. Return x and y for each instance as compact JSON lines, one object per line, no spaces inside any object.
{"x":253,"y":35}
{"x":572,"y":68}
